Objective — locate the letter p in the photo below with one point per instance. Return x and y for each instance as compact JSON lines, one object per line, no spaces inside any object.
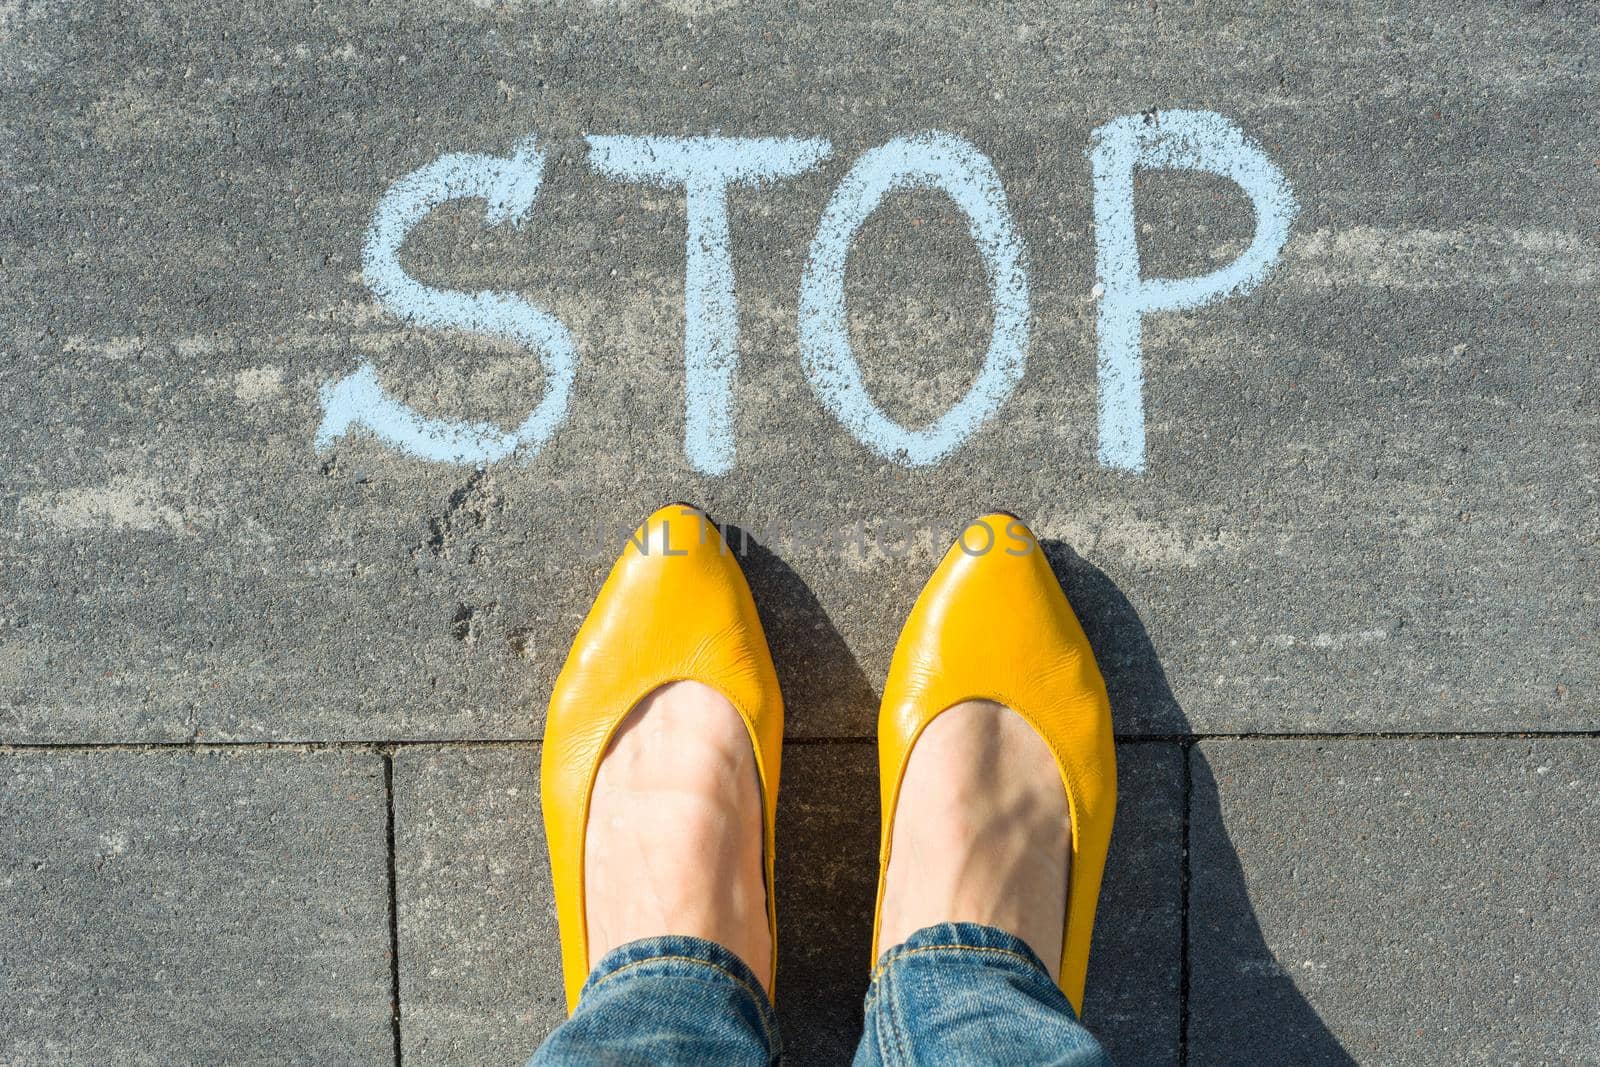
{"x":1180,"y":140}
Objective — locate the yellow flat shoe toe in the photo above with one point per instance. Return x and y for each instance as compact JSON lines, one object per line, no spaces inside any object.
{"x":994,"y":624}
{"x":675,"y":608}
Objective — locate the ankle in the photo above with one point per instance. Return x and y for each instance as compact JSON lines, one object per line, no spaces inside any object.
{"x":981,"y":832}
{"x":674,"y":843}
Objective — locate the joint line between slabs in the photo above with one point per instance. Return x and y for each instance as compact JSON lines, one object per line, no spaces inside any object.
{"x":394,"y":906}
{"x":394,"y":745}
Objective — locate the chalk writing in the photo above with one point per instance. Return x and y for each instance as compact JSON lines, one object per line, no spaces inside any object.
{"x":509,"y":187}
{"x":927,"y":161}
{"x":1180,"y":140}
{"x":707,"y":168}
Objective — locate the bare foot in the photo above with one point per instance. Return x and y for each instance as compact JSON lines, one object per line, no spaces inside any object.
{"x":982,"y":832}
{"x":674,"y":838}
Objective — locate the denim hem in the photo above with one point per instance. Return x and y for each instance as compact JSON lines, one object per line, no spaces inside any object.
{"x":673,"y":955}
{"x":1004,"y":949}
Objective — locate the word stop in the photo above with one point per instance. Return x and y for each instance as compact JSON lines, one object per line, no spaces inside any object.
{"x":706,"y":169}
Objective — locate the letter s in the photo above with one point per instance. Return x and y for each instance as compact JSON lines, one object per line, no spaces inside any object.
{"x":509,"y":185}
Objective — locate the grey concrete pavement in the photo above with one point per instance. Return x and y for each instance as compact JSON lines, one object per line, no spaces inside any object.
{"x":1398,"y":902}
{"x":168,"y":906}
{"x":1371,"y":504}
{"x":1361,"y":476}
{"x":1134,"y":1000}
{"x":480,"y":968}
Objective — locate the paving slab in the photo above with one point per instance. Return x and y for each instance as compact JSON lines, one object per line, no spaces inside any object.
{"x":480,"y":968}
{"x":1361,"y":475}
{"x":828,"y":821}
{"x":1398,"y":902}
{"x":480,"y":962}
{"x":1133,"y":1000}
{"x":173,"y":906}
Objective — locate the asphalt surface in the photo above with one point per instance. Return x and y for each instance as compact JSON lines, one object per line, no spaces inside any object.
{"x":1368,"y":516}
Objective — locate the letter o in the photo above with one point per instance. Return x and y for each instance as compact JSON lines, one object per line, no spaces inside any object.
{"x":929,"y":160}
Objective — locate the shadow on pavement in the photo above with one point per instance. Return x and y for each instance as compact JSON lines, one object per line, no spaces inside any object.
{"x":820,"y":679}
{"x":827,"y":855}
{"x":1269,"y":1021}
{"x":827,"y":818}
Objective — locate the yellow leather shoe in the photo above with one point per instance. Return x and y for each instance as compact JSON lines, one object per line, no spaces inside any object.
{"x":993,"y":624}
{"x":675,"y":608}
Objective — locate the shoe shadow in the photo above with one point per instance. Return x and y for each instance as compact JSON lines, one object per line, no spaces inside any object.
{"x":1262,"y":1017}
{"x":827,"y":815}
{"x":828,"y":847}
{"x":819,"y":676}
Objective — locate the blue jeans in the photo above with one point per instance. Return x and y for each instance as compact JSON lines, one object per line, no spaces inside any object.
{"x":955,"y":993}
